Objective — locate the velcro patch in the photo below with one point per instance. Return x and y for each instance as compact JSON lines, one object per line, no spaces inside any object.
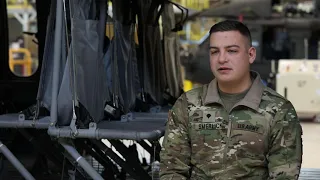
{"x":247,"y":127}
{"x":208,"y":126}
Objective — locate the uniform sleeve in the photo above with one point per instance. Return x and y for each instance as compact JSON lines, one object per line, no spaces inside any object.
{"x":285,"y":145}
{"x":175,"y":153}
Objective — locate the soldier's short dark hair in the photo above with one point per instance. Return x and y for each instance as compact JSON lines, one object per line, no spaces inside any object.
{"x":232,"y":25}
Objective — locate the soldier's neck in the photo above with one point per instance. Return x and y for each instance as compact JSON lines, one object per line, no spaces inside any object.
{"x":235,"y":87}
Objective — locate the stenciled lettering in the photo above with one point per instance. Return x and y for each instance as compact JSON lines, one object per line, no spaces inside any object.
{"x":208,"y":126}
{"x":248,"y":127}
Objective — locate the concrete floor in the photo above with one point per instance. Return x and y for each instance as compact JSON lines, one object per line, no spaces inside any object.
{"x":311,"y":145}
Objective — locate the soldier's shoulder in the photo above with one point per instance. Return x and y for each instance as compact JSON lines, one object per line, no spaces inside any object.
{"x":273,"y":102}
{"x":273,"y":96}
{"x":193,"y":97}
{"x":196,"y":94}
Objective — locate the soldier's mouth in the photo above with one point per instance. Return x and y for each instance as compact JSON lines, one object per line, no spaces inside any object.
{"x":224,"y":69}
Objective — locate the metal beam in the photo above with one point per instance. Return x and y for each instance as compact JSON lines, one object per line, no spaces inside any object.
{"x":15,"y":162}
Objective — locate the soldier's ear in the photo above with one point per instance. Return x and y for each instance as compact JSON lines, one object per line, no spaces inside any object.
{"x":252,"y":52}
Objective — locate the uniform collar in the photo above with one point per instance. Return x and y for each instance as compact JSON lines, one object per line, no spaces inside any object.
{"x":252,"y":99}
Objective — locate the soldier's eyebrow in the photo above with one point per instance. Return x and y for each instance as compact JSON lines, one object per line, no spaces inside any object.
{"x":230,"y":46}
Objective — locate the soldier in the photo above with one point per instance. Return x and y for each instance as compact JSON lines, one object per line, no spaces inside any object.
{"x":234,"y":127}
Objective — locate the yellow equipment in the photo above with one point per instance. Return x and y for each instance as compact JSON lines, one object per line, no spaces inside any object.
{"x":26,"y":61}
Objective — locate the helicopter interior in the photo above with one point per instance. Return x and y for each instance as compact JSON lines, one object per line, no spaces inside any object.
{"x":87,"y":88}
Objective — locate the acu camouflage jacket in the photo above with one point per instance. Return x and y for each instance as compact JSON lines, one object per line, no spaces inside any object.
{"x":259,"y":139}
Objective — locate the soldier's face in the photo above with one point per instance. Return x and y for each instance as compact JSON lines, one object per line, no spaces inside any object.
{"x":230,"y":56}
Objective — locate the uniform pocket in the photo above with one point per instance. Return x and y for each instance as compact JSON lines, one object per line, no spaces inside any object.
{"x":207,"y":134}
{"x":249,"y":140}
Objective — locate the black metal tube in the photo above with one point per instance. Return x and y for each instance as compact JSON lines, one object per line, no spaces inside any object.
{"x":102,"y":24}
{"x":42,"y":149}
{"x":99,"y":156}
{"x":56,"y":63}
{"x":25,"y":124}
{"x":82,"y":162}
{"x":151,"y":117}
{"x":105,"y":134}
{"x":130,"y":157}
{"x":109,"y":152}
{"x":149,"y":149}
{"x":15,"y":162}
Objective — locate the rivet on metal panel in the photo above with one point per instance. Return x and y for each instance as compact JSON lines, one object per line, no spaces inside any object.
{"x":21,"y":117}
{"x":92,"y":125}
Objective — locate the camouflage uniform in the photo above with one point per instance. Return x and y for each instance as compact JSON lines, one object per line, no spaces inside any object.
{"x":260,"y":138}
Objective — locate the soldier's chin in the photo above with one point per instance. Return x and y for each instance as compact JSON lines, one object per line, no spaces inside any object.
{"x":225,"y":79}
